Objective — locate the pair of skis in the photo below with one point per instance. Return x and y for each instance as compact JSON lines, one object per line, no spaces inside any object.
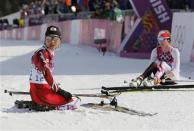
{"x":107,"y":92}
{"x":110,"y":93}
{"x":111,"y":97}
{"x":175,"y":87}
{"x":118,"y":89}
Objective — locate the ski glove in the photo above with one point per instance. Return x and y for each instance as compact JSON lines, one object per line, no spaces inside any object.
{"x":65,"y":94}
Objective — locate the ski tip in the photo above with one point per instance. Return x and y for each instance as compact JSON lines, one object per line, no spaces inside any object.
{"x":104,"y":88}
{"x":104,"y":92}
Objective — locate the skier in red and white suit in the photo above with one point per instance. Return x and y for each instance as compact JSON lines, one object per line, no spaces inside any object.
{"x":164,"y":63}
{"x":43,"y":88}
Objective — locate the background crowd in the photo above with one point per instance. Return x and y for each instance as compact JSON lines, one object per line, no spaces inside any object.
{"x":45,"y":7}
{"x":104,"y":9}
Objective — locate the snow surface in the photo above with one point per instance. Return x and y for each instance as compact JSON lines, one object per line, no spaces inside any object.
{"x":82,"y":69}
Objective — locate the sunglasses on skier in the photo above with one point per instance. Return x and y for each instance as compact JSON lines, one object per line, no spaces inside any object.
{"x":160,"y":39}
{"x":53,"y":37}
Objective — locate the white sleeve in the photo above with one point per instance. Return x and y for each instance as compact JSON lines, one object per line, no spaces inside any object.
{"x":153,"y":57}
{"x":176,"y":62}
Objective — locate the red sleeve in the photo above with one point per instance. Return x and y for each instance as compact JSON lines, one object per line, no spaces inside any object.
{"x":42,"y":64}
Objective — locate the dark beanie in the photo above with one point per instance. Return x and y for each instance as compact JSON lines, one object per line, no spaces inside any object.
{"x":53,"y":30}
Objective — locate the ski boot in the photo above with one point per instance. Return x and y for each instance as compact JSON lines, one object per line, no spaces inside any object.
{"x":41,"y":108}
{"x":72,"y":105}
{"x":136,"y":82}
{"x":151,"y":82}
{"x":20,"y":104}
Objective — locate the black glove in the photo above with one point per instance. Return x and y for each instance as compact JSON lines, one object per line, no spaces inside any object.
{"x":65,"y":94}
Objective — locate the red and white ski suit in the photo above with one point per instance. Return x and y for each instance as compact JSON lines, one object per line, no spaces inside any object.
{"x":42,"y":85}
{"x":167,"y":61}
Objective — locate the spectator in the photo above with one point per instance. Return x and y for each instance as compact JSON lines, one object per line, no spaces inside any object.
{"x":68,"y":4}
{"x":83,"y":4}
{"x":40,"y":9}
{"x":46,"y":8}
{"x":124,"y":4}
{"x":21,"y":22}
{"x":97,"y":4}
{"x":61,"y":8}
{"x":118,"y":16}
{"x":105,"y":9}
{"x":55,"y":7}
{"x":24,"y":11}
{"x":108,"y":11}
{"x":15,"y":23}
{"x":91,"y":5}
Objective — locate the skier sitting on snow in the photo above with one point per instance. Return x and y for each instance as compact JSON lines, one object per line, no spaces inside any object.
{"x":43,"y":88}
{"x":164,"y":63}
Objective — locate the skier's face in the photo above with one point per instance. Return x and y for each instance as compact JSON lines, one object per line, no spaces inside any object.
{"x":52,"y":42}
{"x":163,"y":42}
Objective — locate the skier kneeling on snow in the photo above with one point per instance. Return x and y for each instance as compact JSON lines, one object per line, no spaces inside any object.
{"x":164,"y":63}
{"x":43,"y":88}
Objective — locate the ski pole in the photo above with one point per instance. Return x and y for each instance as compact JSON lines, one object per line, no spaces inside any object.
{"x":74,"y":95}
{"x":164,"y":80}
{"x":16,"y":92}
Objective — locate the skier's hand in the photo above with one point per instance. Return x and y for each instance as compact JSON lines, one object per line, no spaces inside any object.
{"x":65,"y":94}
{"x":157,"y":81}
{"x":55,"y":86}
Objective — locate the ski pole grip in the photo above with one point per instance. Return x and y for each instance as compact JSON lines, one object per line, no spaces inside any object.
{"x":5,"y":91}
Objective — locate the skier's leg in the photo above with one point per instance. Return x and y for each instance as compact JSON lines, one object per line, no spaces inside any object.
{"x":45,"y":96}
{"x":162,"y":68}
{"x":151,"y":69}
{"x":52,"y":98}
{"x":33,"y":93}
{"x":166,"y":69}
